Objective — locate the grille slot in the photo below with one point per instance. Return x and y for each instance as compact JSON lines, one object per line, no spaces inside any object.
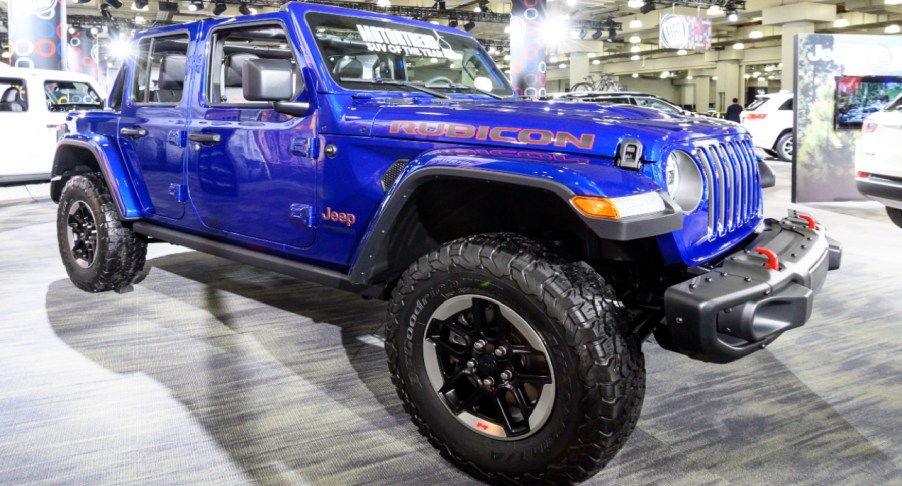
{"x":730,"y":169}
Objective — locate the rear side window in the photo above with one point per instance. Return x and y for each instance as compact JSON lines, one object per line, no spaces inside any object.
{"x":159,"y":74}
{"x":13,"y":98}
{"x":232,"y":49}
{"x":612,"y":101}
{"x":63,"y":96}
{"x":757,"y":103}
{"x":787,"y":105}
{"x":657,"y":104}
{"x":895,"y":105}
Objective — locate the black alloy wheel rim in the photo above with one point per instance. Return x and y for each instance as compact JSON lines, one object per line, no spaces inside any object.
{"x":489,"y":367}
{"x":82,"y":234}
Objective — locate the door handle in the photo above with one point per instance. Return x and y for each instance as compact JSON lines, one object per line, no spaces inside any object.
{"x":205,"y":137}
{"x":133,"y":132}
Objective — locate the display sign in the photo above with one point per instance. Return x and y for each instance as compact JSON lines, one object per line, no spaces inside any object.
{"x":528,"y":47}
{"x":684,"y":32}
{"x":408,"y":44}
{"x":82,"y":55}
{"x":859,"y":96}
{"x":37,"y":33}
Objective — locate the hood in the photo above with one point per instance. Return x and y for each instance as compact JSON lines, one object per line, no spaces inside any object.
{"x":565,"y":127}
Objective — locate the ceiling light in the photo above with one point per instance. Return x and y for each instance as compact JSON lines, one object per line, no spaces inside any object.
{"x":562,"y":66}
{"x":892,"y":2}
{"x":771,"y":77}
{"x":114,"y":3}
{"x":219,"y":8}
{"x":768,"y":68}
{"x":756,"y":34}
{"x":121,"y":48}
{"x":665,"y":74}
{"x":840,"y":23}
{"x":635,"y":75}
{"x":571,"y":3}
{"x":892,"y":29}
{"x":635,"y":57}
{"x":590,"y":55}
{"x":554,"y":30}
{"x":140,"y":5}
{"x":635,"y":39}
{"x":507,"y":57}
{"x":714,"y":10}
{"x":195,"y":6}
{"x":636,"y":23}
{"x":756,"y":73}
{"x":681,"y":52}
{"x":383,"y":3}
{"x":467,"y":26}
{"x":689,"y":78}
{"x":596,"y":61}
{"x":713,"y":78}
{"x":553,"y":59}
{"x":72,"y":29}
{"x":738,"y":46}
{"x":507,"y":29}
{"x":5,"y":55}
{"x":635,"y":49}
{"x":477,"y":10}
{"x":95,"y":30}
{"x":747,"y":76}
{"x":635,"y":4}
{"x":732,"y":16}
{"x":762,"y":80}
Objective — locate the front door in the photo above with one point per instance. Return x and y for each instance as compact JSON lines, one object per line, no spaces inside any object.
{"x":251,"y":170}
{"x":154,"y":118}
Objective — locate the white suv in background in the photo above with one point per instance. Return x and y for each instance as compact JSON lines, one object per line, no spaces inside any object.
{"x":33,"y":108}
{"x":769,"y":120}
{"x":878,"y":159}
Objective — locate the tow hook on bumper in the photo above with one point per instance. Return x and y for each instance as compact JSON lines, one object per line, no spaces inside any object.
{"x":753,"y":296}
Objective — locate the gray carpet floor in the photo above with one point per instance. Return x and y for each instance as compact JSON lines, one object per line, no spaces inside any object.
{"x":212,"y":372}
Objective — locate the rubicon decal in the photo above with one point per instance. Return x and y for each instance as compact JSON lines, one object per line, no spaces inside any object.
{"x":344,"y":218}
{"x":527,"y":136}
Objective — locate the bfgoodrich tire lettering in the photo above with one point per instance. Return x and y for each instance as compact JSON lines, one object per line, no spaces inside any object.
{"x":117,"y":253}
{"x":598,"y":367}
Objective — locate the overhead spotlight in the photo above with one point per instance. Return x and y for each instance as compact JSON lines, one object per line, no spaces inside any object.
{"x":689,"y":78}
{"x":597,"y":35}
{"x":636,"y":23}
{"x":168,"y":7}
{"x":892,"y":29}
{"x":439,"y":5}
{"x":714,"y":10}
{"x":635,"y":49}
{"x":5,"y":54}
{"x":582,"y":33}
{"x":219,"y":8}
{"x":72,"y":30}
{"x":648,"y":6}
{"x":114,"y":3}
{"x":635,"y":4}
{"x":756,"y":34}
{"x":635,"y":75}
{"x":635,"y":57}
{"x":469,"y":26}
{"x":383,"y":3}
{"x":195,"y":6}
{"x":840,"y":23}
{"x":739,"y":46}
{"x":95,"y":30}
{"x":635,"y":39}
{"x":596,"y":61}
{"x":452,"y":23}
{"x":612,"y":35}
{"x":243,"y":9}
{"x":681,"y":52}
{"x":732,"y":16}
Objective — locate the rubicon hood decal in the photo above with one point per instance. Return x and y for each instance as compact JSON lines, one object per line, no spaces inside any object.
{"x":526,"y":136}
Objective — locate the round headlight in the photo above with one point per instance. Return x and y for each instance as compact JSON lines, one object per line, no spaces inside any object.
{"x":684,"y":180}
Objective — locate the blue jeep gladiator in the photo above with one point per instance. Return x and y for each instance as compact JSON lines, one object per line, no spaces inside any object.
{"x":526,"y":248}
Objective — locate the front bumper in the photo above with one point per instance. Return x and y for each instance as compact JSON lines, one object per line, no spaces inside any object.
{"x":741,"y":305}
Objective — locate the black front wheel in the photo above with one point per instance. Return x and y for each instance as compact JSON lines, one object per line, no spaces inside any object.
{"x":98,"y":251}
{"x":785,"y":146}
{"x":515,"y":364}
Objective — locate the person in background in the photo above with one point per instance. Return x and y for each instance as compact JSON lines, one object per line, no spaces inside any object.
{"x":734,"y":110}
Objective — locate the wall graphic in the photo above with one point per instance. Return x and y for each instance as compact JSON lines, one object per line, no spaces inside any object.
{"x":528,"y":47}
{"x":37,"y":33}
{"x":824,"y":168}
{"x":83,"y":54}
{"x":684,"y":32}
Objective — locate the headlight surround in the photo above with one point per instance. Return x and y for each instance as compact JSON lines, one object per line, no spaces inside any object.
{"x":684,"y":180}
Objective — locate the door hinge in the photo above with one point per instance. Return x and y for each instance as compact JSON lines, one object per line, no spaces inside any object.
{"x":303,"y":213}
{"x":179,"y":192}
{"x":306,"y":147}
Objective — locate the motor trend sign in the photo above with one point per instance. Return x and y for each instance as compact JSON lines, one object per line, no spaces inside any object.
{"x":409,"y":44}
{"x":684,"y":32}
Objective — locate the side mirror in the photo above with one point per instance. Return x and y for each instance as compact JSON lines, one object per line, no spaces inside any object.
{"x":274,"y":80}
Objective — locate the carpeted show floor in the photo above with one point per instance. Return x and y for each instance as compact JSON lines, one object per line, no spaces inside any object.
{"x":211,"y":372}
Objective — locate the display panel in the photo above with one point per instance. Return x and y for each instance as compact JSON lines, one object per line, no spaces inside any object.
{"x":859,"y":96}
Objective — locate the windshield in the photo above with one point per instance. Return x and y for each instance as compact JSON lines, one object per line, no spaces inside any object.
{"x":359,"y":51}
{"x":65,"y":95}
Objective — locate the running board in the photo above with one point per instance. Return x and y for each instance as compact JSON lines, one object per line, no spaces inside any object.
{"x":292,"y":268}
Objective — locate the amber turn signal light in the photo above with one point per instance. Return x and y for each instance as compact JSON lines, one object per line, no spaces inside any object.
{"x":596,"y":207}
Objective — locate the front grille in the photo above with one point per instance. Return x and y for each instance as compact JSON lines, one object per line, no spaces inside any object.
{"x":734,"y":189}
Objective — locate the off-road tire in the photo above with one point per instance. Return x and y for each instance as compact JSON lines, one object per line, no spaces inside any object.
{"x":895,"y":215}
{"x":120,"y":253}
{"x":783,"y":151}
{"x":598,"y":364}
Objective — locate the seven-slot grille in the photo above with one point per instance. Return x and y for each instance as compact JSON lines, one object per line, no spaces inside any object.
{"x":734,"y":188}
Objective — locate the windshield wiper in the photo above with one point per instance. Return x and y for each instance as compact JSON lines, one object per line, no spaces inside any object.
{"x":463,"y":86}
{"x":396,"y":82}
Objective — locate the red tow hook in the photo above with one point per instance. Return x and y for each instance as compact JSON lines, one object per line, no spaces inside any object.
{"x":773,"y":262}
{"x":812,"y":224}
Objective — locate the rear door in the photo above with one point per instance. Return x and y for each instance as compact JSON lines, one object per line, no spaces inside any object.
{"x":18,"y":124}
{"x":154,"y":118}
{"x":251,"y":170}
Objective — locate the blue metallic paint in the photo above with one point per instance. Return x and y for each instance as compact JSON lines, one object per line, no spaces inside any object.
{"x":357,"y":123}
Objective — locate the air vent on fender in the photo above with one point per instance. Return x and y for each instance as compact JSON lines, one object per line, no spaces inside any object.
{"x":392,"y":173}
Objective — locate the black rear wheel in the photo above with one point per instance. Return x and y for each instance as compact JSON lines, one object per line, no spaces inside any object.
{"x":785,"y":146}
{"x":99,"y":253}
{"x":515,"y":364}
{"x":895,"y":215}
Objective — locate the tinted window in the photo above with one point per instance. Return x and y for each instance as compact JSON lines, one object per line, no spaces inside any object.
{"x":757,"y":103}
{"x":70,"y":95}
{"x":234,"y":47}
{"x":787,"y":105}
{"x":658,"y":105}
{"x":159,"y":75}
{"x":612,"y":101}
{"x":895,"y":105}
{"x":12,"y":95}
